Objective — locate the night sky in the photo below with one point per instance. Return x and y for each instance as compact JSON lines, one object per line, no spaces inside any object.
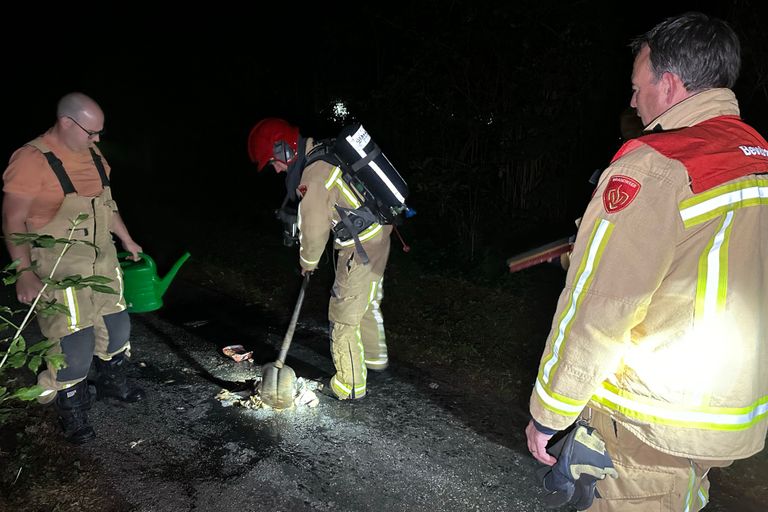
{"x":182,"y":89}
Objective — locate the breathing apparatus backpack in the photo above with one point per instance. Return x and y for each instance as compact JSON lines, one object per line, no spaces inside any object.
{"x":379,"y":188}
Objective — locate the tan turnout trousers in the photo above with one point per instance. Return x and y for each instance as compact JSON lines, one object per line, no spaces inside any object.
{"x":85,"y":307}
{"x":649,"y":480}
{"x":357,"y":325}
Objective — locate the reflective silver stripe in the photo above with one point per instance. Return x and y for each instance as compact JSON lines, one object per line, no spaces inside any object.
{"x":120,"y":285}
{"x":703,"y":498}
{"x":715,"y":202}
{"x":335,"y":172}
{"x":301,"y":241}
{"x":373,"y":165}
{"x":309,"y":262}
{"x":374,"y":300}
{"x":369,"y":233}
{"x":337,"y":180}
{"x":376,"y":310}
{"x":346,"y":390}
{"x":689,"y":492}
{"x":713,"y":418}
{"x":361,"y":348}
{"x":565,"y":408}
{"x":70,"y":300}
{"x":591,"y":259}
{"x":336,"y":383}
{"x":715,"y":288}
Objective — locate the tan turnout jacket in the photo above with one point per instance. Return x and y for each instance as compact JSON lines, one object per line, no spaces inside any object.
{"x":663,"y":321}
{"x":322,"y":187}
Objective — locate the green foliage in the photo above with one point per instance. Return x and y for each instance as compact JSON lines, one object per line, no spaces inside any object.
{"x":51,"y":308}
{"x":15,"y":354}
{"x":78,"y":282}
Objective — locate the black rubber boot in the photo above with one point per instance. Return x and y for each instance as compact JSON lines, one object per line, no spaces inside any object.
{"x":111,"y":381}
{"x":72,"y":405}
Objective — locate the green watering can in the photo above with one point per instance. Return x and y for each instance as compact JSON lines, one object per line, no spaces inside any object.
{"x":143,"y":289}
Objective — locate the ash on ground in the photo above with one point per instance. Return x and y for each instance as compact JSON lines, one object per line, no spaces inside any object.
{"x":305,"y":396}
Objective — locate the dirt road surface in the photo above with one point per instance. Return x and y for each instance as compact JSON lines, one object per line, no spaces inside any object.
{"x":427,"y":437}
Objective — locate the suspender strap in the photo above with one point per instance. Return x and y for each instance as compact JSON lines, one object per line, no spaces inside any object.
{"x":61,"y":174}
{"x":100,"y":166}
{"x":322,"y":151}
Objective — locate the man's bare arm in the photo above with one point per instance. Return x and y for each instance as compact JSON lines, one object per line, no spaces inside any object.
{"x":121,"y":231}
{"x":15,"y":211}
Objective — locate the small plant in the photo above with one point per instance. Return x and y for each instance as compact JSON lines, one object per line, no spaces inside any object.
{"x":15,"y":354}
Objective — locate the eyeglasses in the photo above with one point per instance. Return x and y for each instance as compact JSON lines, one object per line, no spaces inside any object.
{"x":91,"y":133}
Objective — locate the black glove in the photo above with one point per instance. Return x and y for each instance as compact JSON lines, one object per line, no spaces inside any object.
{"x":582,"y":460}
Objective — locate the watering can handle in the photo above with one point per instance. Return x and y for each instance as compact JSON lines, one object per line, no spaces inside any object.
{"x":292,"y":325}
{"x":123,"y":255}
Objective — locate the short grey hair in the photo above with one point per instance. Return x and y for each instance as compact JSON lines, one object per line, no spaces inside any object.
{"x":703,"y":51}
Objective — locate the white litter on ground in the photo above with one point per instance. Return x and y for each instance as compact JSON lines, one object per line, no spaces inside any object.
{"x":305,"y":396}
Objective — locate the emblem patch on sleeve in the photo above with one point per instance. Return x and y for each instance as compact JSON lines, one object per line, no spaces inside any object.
{"x":620,"y":191}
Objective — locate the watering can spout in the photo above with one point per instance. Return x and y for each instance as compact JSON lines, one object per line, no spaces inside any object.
{"x":162,"y":286}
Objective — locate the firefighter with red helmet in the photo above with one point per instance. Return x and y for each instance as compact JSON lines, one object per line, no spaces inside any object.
{"x":358,"y":342}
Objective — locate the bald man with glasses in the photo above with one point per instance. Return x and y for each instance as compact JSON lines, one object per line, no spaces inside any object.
{"x":49,"y":182}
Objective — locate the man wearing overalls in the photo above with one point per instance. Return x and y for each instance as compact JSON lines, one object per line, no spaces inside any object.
{"x":50,"y":182}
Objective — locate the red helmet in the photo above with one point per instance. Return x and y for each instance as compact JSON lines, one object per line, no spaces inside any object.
{"x":272,"y":139}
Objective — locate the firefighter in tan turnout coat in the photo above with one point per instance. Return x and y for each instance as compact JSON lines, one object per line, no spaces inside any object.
{"x":659,"y":338}
{"x":358,"y":342}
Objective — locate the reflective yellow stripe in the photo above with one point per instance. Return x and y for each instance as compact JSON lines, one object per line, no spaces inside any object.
{"x":664,"y":413}
{"x":377,"y":294}
{"x":558,"y":404}
{"x":70,"y":301}
{"x":369,"y":233}
{"x":703,"y":497}
{"x":343,"y":391}
{"x":712,"y":285}
{"x":301,"y":241}
{"x":336,"y":180}
{"x":120,"y":285}
{"x":595,"y":247}
{"x":363,"y":368}
{"x":339,"y":387}
{"x":715,"y":202}
{"x":335,"y":172}
{"x":689,"y":493}
{"x":302,"y":258}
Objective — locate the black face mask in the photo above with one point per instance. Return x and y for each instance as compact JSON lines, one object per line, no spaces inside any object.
{"x":288,"y":217}
{"x":287,"y":213}
{"x":295,"y":169}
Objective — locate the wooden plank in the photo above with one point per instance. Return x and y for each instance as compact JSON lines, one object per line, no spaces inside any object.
{"x":539,"y":255}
